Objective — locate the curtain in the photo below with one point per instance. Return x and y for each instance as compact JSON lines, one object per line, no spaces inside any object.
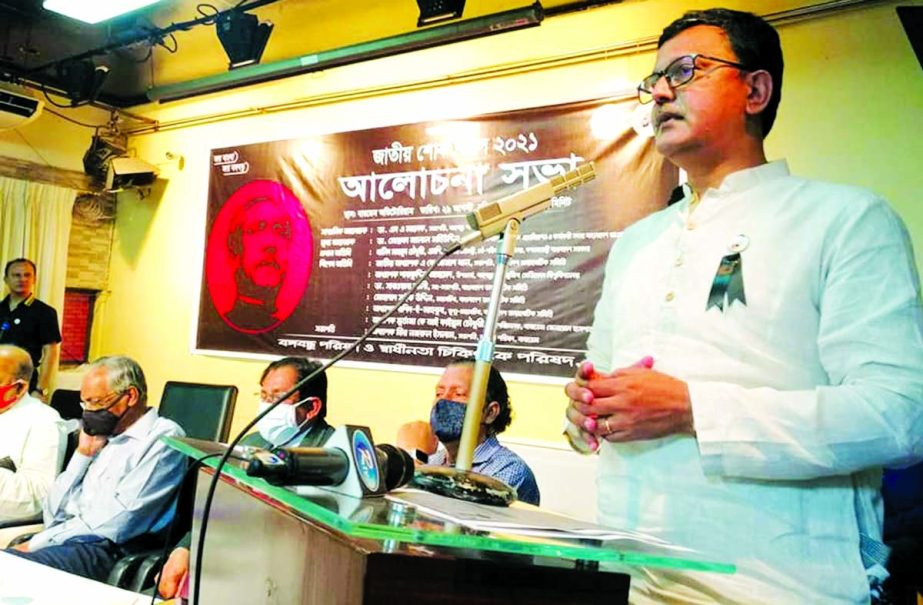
{"x":35,"y":223}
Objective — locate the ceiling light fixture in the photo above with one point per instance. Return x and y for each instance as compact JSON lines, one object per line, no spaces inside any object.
{"x":109,"y":165}
{"x":103,"y":149}
{"x":437,"y":11}
{"x":243,"y":37}
{"x":94,"y":12}
{"x":418,"y":39}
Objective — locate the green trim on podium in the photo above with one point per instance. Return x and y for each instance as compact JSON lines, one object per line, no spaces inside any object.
{"x":370,"y":520}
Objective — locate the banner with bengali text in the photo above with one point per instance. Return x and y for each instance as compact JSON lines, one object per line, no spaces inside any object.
{"x":309,"y":241}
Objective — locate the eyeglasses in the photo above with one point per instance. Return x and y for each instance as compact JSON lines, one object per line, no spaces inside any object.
{"x":274,"y":397}
{"x":103,"y":403}
{"x":678,"y":73}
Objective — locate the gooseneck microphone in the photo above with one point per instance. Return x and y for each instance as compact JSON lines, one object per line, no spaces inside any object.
{"x":485,"y":222}
{"x":300,"y":466}
{"x":490,"y":219}
{"x":350,"y":464}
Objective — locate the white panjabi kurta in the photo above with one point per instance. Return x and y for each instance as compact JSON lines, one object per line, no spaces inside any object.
{"x":798,"y":396}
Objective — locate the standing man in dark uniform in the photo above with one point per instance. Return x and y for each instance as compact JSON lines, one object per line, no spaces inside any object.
{"x":29,"y":323}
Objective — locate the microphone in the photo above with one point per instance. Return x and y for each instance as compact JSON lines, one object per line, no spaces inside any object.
{"x":350,"y":464}
{"x":490,"y":219}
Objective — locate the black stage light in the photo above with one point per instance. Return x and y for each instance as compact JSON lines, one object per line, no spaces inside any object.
{"x":243,"y":37}
{"x":81,"y":79}
{"x":912,"y":19}
{"x":103,"y":149}
{"x":437,"y":11}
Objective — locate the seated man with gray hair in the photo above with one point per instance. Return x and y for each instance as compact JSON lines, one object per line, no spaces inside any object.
{"x":119,"y":484}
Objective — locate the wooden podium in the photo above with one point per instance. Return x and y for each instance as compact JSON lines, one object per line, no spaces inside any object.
{"x":269,"y":545}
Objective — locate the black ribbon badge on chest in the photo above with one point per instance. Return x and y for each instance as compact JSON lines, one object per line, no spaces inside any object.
{"x":728,"y":284}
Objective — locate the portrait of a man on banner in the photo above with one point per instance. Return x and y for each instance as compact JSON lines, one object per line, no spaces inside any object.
{"x":258,"y":257}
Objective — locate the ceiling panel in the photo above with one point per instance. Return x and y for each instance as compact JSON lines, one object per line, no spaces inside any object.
{"x":35,"y":43}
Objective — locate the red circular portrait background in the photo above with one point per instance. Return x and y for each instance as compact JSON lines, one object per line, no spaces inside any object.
{"x":258,"y":256}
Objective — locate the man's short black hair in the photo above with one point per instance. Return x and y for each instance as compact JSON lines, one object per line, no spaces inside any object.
{"x":753,"y":40}
{"x":303,"y":367}
{"x":496,"y":391}
{"x":6,"y":269}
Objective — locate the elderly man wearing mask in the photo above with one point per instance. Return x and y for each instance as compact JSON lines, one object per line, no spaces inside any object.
{"x":120,"y":482}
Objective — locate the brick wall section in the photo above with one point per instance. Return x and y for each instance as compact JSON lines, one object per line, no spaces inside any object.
{"x":88,"y":253}
{"x":87,"y":268}
{"x":74,"y":334}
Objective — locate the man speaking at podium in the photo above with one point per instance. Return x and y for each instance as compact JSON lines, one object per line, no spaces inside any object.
{"x":778,"y":325}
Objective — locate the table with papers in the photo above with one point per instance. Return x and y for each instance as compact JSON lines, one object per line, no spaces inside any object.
{"x":23,"y":582}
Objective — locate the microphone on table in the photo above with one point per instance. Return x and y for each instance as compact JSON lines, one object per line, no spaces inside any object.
{"x":349,"y":463}
{"x":490,"y":219}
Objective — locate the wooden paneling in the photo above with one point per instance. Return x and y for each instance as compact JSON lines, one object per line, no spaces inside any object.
{"x":39,"y":173}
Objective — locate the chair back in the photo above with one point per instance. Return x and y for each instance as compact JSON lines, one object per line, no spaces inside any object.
{"x":902,"y":493}
{"x":73,"y":440}
{"x":67,"y":404}
{"x":204,"y":411}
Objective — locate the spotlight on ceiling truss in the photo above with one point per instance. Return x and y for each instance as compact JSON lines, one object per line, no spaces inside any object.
{"x":437,"y":11}
{"x":109,"y":165}
{"x":81,"y":80}
{"x":243,"y":37}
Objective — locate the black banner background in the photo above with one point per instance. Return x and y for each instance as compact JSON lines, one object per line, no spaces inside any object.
{"x":347,"y":250}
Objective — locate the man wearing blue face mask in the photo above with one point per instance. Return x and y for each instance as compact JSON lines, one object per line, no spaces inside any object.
{"x":490,"y":458}
{"x":299,"y":420}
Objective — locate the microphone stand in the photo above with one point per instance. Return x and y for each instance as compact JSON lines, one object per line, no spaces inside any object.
{"x":460,"y":482}
{"x":484,"y":356}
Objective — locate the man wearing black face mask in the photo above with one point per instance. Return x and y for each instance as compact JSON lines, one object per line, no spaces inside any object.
{"x":490,"y":458}
{"x":119,"y":484}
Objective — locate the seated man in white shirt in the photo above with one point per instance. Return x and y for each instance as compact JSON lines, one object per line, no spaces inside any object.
{"x":32,"y":439}
{"x":120,"y":483}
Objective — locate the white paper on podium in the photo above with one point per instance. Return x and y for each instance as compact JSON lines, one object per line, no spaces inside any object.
{"x":520,"y":519}
{"x":23,"y":582}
